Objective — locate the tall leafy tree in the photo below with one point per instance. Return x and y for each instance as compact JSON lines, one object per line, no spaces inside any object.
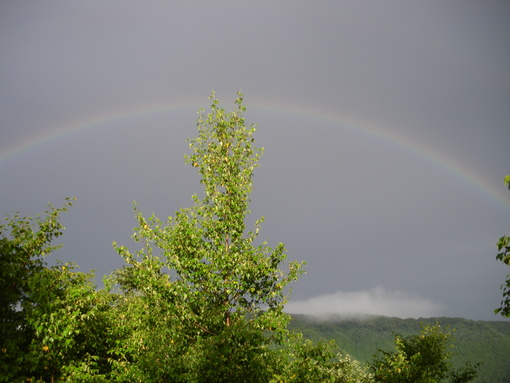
{"x":214,"y":292}
{"x":504,"y":256}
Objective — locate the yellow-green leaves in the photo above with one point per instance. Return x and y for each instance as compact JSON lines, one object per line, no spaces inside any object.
{"x":215,"y":295}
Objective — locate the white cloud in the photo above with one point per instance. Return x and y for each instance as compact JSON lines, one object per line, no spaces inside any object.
{"x":376,"y":301}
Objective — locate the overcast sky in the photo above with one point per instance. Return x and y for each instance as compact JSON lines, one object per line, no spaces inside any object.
{"x":385,"y":126}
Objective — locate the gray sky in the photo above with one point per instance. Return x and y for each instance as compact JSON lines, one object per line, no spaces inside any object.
{"x":385,"y":123}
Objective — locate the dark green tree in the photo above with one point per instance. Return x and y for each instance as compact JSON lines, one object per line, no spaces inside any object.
{"x":24,"y":242}
{"x":49,"y":316}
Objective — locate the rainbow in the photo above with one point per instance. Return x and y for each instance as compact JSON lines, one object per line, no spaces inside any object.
{"x":102,"y":120}
{"x":440,"y":160}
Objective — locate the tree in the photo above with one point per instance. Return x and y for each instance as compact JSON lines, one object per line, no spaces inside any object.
{"x":49,"y":316}
{"x":23,"y":244}
{"x":212,"y":292}
{"x":423,"y":358}
{"x":320,"y":363}
{"x":504,"y":256}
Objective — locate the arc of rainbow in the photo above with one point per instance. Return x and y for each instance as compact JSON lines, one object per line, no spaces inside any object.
{"x":358,"y":125}
{"x":413,"y":147}
{"x":102,"y":120}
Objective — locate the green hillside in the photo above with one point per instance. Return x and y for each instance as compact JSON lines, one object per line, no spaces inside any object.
{"x":475,"y":341}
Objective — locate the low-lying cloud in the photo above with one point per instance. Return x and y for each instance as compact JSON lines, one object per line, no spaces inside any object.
{"x":376,"y":301}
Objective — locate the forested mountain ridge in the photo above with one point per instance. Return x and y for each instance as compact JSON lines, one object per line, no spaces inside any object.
{"x":487,"y":342}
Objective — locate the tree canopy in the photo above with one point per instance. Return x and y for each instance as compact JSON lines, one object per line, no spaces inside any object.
{"x":216,"y":293}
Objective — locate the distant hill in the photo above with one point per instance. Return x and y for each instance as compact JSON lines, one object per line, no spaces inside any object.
{"x":361,"y":337}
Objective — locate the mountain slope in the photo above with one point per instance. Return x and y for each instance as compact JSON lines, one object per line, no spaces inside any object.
{"x":361,"y":337}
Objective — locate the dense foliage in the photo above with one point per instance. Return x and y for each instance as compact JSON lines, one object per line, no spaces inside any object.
{"x":49,"y":316}
{"x":201,"y":300}
{"x":420,"y":358}
{"x":201,"y":282}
